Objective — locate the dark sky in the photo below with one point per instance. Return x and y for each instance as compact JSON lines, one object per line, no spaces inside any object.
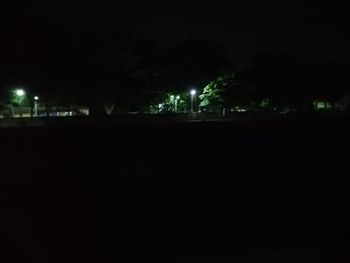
{"x":245,"y":27}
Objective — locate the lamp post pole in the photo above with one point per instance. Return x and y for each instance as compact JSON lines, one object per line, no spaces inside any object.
{"x":193,"y":93}
{"x":36,"y":98}
{"x":19,"y":97}
{"x":176,"y":103}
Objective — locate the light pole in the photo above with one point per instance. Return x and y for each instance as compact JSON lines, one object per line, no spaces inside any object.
{"x":36,"y":98}
{"x":193,"y":93}
{"x":176,"y":101}
{"x":18,"y":98}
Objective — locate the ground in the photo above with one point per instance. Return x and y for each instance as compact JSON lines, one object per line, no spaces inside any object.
{"x":177,"y":192}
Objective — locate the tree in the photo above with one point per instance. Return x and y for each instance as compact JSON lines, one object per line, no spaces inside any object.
{"x":211,"y":98}
{"x":97,"y":70}
{"x":219,"y":94}
{"x":191,"y":63}
{"x":292,"y":82}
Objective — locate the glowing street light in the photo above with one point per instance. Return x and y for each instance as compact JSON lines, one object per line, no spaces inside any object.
{"x":193,"y":94}
{"x":20,"y":92}
{"x":18,"y":98}
{"x":36,"y":98}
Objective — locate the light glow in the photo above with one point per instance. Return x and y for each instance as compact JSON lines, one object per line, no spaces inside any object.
{"x":20,"y":92}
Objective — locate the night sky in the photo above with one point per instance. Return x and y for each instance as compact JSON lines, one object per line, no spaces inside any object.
{"x":245,"y":27}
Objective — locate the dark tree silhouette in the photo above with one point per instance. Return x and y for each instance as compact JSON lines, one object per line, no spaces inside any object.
{"x":294,"y":82}
{"x":192,"y":63}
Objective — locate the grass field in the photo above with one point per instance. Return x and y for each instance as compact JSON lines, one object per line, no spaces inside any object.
{"x":177,"y":192}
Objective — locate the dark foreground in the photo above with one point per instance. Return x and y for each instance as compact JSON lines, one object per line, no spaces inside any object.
{"x":184,"y":192}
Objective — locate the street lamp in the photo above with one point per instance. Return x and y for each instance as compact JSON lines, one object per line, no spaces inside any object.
{"x":193,"y":93}
{"x":36,"y":98}
{"x":20,"y":92}
{"x":17,"y":98}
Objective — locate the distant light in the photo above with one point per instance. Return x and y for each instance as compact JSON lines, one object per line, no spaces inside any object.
{"x":172,"y":97}
{"x":177,"y":97}
{"x":36,"y":98}
{"x":193,"y":92}
{"x":20,"y":92}
{"x":321,"y":105}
